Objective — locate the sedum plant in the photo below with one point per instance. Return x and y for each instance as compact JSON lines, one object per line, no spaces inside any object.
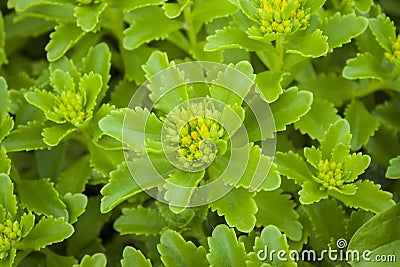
{"x":199,"y":133}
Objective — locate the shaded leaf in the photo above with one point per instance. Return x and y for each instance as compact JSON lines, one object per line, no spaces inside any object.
{"x":175,"y":251}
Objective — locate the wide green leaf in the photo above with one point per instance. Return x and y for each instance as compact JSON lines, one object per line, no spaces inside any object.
{"x":120,"y":187}
{"x":290,"y":107}
{"x":96,"y":260}
{"x":368,"y":197}
{"x":338,"y":133}
{"x":312,"y":45}
{"x":379,"y":237}
{"x":76,"y":205}
{"x":293,"y":166}
{"x":41,"y":197}
{"x":134,"y":257}
{"x":365,"y":66}
{"x":383,"y":146}
{"x":175,"y":251}
{"x":7,"y":198}
{"x":269,"y":83}
{"x":276,"y":208}
{"x":317,"y":121}
{"x":393,"y":171}
{"x":225,"y":250}
{"x":239,"y":209}
{"x":232,"y":37}
{"x":311,"y":192}
{"x":139,"y":221}
{"x":340,"y":29}
{"x":271,"y":239}
{"x":384,"y":30}
{"x":362,"y":124}
{"x":331,"y":87}
{"x":62,"y":39}
{"x":52,"y":136}
{"x":46,"y":232}
{"x":147,"y":24}
{"x":74,"y":178}
{"x":5,"y":166}
{"x":386,"y":113}
{"x":88,"y":15}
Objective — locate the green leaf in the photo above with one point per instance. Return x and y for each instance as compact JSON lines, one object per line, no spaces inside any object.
{"x":175,"y":251}
{"x":384,"y":30}
{"x":3,"y":58}
{"x":330,"y":87}
{"x":74,"y":178}
{"x":232,"y":37}
{"x":312,"y":45}
{"x":53,"y":259}
{"x":338,"y":133}
{"x":326,"y":225}
{"x":341,"y":29}
{"x":365,"y":66}
{"x":27,"y":222}
{"x":363,"y":6}
{"x":76,"y":205}
{"x":383,"y":146}
{"x":368,"y":197}
{"x":143,"y":23}
{"x":269,"y":83}
{"x":46,"y":232}
{"x":96,"y":260}
{"x":52,"y":136}
{"x":131,"y":123}
{"x":239,"y":209}
{"x":393,"y":171}
{"x":45,"y":101}
{"x":317,"y":121}
{"x":140,"y":221}
{"x":5,"y":166}
{"x":91,"y":84}
{"x":41,"y":197}
{"x":62,"y":39}
{"x":132,"y":5}
{"x":88,"y":15}
{"x":208,"y":10}
{"x":293,"y":166}
{"x":173,"y":10}
{"x":362,"y":124}
{"x":382,"y":242}
{"x":290,"y":107}
{"x":271,"y":239}
{"x":7,"y":197}
{"x":25,"y":137}
{"x":98,"y":60}
{"x":104,"y":161}
{"x":311,"y":192}
{"x":260,"y":172}
{"x":276,"y":208}
{"x":134,"y":257}
{"x":386,"y":113}
{"x":120,"y":187}
{"x":6,"y":126}
{"x":225,"y":250}
{"x":356,"y":164}
{"x":182,"y":186}
{"x":3,"y":99}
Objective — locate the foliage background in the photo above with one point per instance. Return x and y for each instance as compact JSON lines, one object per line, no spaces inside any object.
{"x":333,"y":86}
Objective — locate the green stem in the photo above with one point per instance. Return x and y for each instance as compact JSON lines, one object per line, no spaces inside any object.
{"x":280,"y":51}
{"x":190,"y":29}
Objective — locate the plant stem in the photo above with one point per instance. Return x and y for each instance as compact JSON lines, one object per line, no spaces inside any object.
{"x":280,"y":51}
{"x":191,"y":31}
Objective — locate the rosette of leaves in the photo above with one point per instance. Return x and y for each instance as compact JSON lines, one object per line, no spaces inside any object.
{"x":286,"y":32}
{"x":191,"y":139}
{"x":19,"y":233}
{"x":71,"y":98}
{"x":331,"y":170}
